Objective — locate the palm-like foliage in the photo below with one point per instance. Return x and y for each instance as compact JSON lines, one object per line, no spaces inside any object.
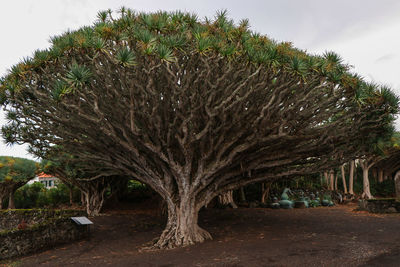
{"x":125,"y":57}
{"x":78,"y":76}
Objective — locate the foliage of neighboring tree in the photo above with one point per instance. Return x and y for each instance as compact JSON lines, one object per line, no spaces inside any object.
{"x":389,"y":162}
{"x":383,"y":151}
{"x":14,"y":173}
{"x":187,"y":106}
{"x":72,"y":173}
{"x":388,"y":165}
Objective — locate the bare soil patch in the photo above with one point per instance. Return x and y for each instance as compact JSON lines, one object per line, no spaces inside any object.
{"x":335,"y":236}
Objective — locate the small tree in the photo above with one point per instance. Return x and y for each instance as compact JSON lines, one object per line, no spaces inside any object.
{"x":71,"y":171}
{"x":382,"y":151}
{"x":14,"y":173}
{"x":389,"y":163}
{"x":188,"y":106}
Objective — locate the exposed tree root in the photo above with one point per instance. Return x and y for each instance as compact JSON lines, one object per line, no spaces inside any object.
{"x":172,"y":238}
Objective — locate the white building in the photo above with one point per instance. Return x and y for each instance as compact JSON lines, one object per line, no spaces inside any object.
{"x":49,"y":181}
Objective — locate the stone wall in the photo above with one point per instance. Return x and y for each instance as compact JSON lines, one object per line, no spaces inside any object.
{"x":10,"y":219}
{"x":44,"y":229}
{"x":387,"y":205}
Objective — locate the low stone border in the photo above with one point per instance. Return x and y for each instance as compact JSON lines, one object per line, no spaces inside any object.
{"x":39,"y":229}
{"x":383,"y":205}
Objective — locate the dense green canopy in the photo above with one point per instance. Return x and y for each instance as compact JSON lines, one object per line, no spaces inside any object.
{"x":16,"y":169}
{"x":14,"y":173}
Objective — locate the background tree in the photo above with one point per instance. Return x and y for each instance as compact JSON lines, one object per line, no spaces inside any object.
{"x":380,"y":151}
{"x":351,"y":176}
{"x":186,"y":106}
{"x":14,"y":173}
{"x":389,"y":162}
{"x":343,"y":179}
{"x":71,"y":171}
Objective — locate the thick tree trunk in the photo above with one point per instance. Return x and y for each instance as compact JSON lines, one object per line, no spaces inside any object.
{"x":366,"y":188}
{"x":226,"y":199}
{"x":351,"y":177}
{"x":94,"y":202}
{"x":11,"y":204}
{"x":182,"y":228}
{"x":397,"y":184}
{"x":94,"y":195}
{"x":266,"y":187}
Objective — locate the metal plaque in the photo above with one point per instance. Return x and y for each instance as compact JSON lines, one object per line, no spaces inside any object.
{"x":81,"y":220}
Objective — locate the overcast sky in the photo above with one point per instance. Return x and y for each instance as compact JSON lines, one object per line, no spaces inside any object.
{"x":364,"y":32}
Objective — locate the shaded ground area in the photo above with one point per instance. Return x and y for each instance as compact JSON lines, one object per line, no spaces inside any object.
{"x":334,"y":236}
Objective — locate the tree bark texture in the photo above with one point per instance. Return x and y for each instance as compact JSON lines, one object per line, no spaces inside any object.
{"x":226,"y":199}
{"x":94,"y":202}
{"x":93,"y":192}
{"x":366,"y":187}
{"x":365,"y":165}
{"x":182,"y":227}
{"x":351,"y":177}
{"x":344,"y":179}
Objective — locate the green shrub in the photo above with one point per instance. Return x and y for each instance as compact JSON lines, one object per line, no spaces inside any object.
{"x":27,"y":196}
{"x":37,"y":196}
{"x":384,"y":189}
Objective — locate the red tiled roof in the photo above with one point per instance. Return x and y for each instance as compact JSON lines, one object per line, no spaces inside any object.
{"x":44,"y":175}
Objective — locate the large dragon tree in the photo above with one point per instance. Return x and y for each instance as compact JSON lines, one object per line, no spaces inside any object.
{"x":188,"y":107}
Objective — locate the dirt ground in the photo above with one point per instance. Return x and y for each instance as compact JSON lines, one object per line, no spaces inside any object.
{"x":336,"y":236}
